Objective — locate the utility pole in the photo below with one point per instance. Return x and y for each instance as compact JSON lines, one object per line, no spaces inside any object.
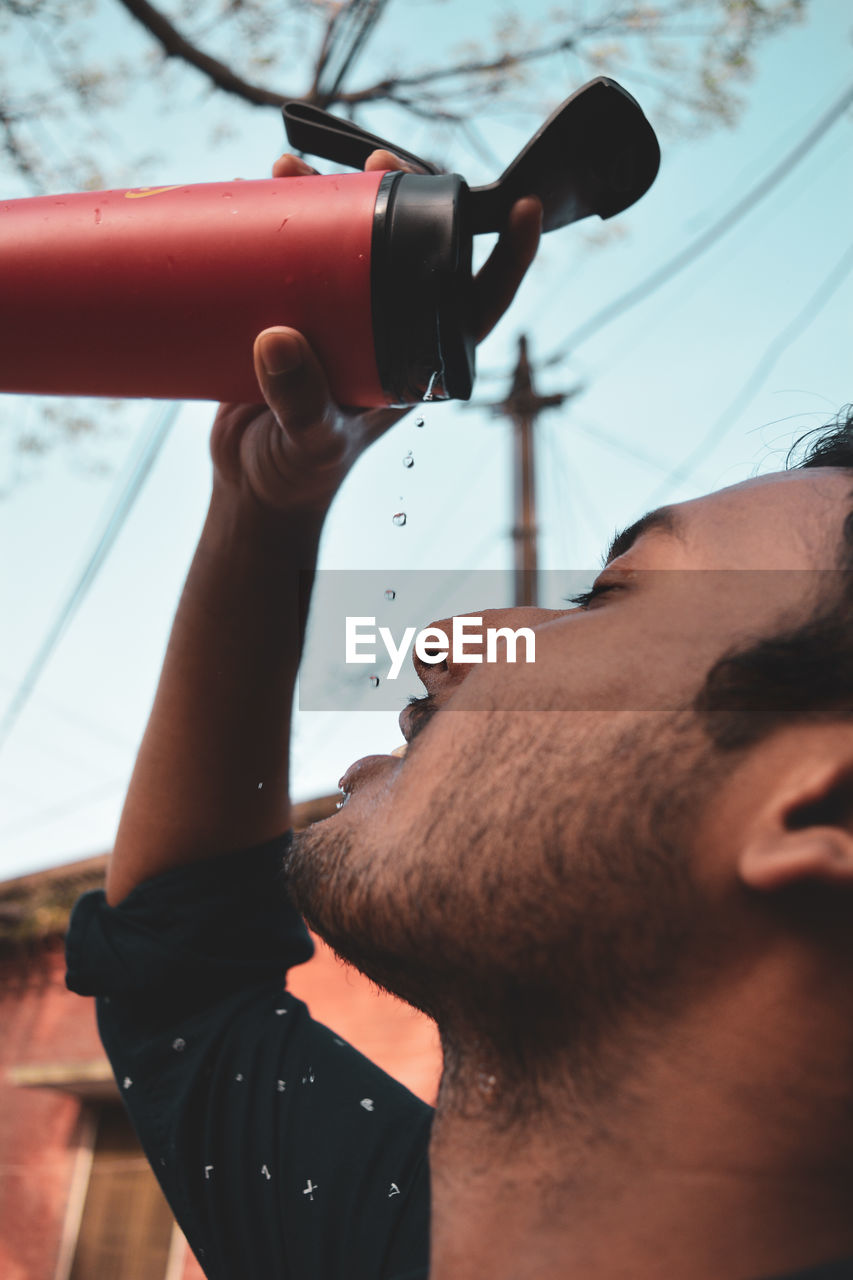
{"x":522,"y":406}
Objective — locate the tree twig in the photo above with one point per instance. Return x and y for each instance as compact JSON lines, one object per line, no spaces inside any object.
{"x":177,"y":46}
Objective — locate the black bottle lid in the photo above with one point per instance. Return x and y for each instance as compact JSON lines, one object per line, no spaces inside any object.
{"x":421,"y":287}
{"x":597,"y":153}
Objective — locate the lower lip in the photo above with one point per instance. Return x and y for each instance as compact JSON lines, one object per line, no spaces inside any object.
{"x":365,"y":769}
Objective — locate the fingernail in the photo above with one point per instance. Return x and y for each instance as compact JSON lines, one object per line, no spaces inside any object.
{"x":281,"y":353}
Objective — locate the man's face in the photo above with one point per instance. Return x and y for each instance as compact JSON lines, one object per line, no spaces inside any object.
{"x":531,"y":853}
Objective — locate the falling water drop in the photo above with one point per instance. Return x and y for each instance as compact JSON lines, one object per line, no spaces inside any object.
{"x":399,"y":519}
{"x":419,"y":422}
{"x":374,"y":680}
{"x":390,"y":594}
{"x":408,"y":461}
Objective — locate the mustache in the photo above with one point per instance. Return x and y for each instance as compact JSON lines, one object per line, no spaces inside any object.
{"x":421,"y":711}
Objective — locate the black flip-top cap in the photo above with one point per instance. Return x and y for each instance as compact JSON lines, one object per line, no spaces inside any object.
{"x":597,"y":153}
{"x":421,"y":287}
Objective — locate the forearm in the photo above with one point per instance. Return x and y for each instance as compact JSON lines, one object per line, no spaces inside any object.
{"x":212,"y":769}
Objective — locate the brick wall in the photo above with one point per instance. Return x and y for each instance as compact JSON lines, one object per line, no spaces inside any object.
{"x":43,"y":1024}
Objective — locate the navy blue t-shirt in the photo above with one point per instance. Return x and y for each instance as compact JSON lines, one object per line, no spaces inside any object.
{"x":284,"y":1153}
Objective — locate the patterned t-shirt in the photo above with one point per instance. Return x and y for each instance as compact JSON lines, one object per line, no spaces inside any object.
{"x":283,"y":1152}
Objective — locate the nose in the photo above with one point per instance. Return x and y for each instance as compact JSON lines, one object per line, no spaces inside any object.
{"x":449,"y":668}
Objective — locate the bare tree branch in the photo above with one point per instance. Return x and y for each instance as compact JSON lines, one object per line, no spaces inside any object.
{"x":17,"y":152}
{"x":177,"y":46}
{"x":372,"y":13}
{"x":350,"y":22}
{"x":613,"y":23}
{"x":326,"y":47}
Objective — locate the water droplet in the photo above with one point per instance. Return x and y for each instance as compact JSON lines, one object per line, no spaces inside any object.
{"x":399,"y":519}
{"x":419,"y":422}
{"x":390,"y":594}
{"x":408,"y":461}
{"x":374,"y":680}
{"x":179,"y":1045}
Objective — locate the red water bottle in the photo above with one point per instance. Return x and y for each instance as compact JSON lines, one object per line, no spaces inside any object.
{"x":160,"y":291}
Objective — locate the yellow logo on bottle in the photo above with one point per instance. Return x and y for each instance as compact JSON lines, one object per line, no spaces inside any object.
{"x":139,"y":192}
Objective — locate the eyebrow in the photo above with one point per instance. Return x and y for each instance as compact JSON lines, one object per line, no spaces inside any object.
{"x":661,"y":520}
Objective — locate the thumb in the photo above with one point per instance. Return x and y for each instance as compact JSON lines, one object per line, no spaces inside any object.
{"x":292,"y":380}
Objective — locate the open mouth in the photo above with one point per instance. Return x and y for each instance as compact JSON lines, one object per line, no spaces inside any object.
{"x":366,"y":767}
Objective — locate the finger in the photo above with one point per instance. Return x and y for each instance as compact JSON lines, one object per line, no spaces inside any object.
{"x":290,"y":166}
{"x":387,"y":160}
{"x":293,"y":383}
{"x":498,"y":279}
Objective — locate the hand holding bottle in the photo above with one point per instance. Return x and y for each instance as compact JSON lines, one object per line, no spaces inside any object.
{"x":294,"y":452}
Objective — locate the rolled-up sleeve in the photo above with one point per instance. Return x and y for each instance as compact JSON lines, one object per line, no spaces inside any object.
{"x":284,"y":1153}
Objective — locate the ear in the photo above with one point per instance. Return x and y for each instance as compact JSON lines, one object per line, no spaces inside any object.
{"x":804,"y":832}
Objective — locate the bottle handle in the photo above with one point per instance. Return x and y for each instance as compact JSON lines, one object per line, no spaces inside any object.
{"x":320,"y":133}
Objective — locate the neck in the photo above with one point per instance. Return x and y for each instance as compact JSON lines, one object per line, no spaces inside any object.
{"x":727,"y":1151}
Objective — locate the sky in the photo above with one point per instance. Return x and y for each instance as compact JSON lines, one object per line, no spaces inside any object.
{"x":740,"y":352}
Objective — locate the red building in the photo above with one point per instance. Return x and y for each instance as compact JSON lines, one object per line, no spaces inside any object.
{"x":77,"y":1199}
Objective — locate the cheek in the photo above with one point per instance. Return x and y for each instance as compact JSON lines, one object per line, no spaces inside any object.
{"x":638,"y":653}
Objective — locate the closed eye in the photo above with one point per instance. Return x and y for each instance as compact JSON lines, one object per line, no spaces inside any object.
{"x":584,"y":599}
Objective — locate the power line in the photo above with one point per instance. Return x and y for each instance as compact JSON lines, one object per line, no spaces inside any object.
{"x":116,"y":516}
{"x":701,"y":243}
{"x":801,"y":321}
{"x":361,"y":17}
{"x":614,"y":444}
{"x":665,"y":313}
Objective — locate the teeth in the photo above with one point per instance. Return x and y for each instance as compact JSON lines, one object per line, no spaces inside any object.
{"x":401,"y":750}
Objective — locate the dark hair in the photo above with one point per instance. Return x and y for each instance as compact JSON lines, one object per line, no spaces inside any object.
{"x":805,"y":674}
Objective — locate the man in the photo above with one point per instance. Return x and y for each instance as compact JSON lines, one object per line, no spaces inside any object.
{"x":619,"y":878}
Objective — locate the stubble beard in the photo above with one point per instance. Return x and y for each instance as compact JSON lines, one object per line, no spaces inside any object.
{"x":544,"y":906}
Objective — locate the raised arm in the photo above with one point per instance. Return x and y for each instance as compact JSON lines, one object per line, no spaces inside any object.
{"x":212,"y":769}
